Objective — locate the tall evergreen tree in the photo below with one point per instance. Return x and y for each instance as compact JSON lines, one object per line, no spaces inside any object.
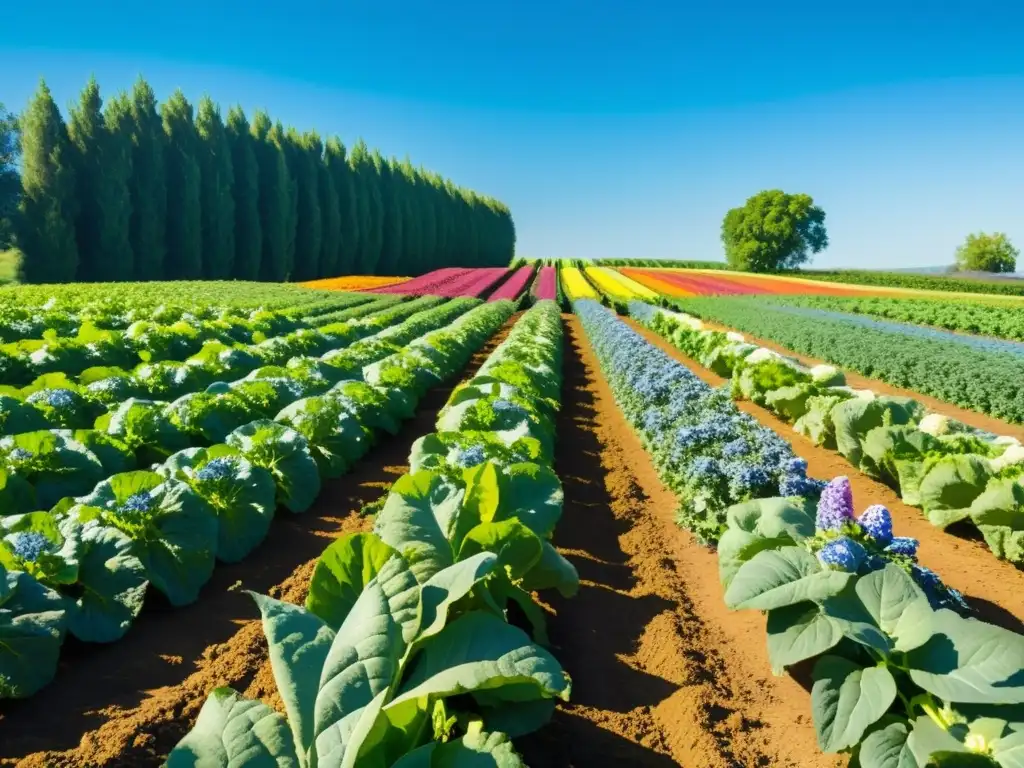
{"x":246,"y":196}
{"x":48,"y":204}
{"x":348,"y":206}
{"x":428,"y":217}
{"x":217,"y":202}
{"x":370,"y":225}
{"x":10,"y":179}
{"x":280,"y":139}
{"x":391,"y":243}
{"x":117,"y":170}
{"x":304,"y":160}
{"x":184,"y":216}
{"x":101,"y":178}
{"x":147,"y":185}
{"x":330,"y":213}
{"x":274,"y":199}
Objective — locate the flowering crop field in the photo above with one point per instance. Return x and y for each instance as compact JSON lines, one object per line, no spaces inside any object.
{"x":446,"y":520}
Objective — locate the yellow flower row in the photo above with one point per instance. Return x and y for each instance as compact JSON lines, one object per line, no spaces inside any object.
{"x":575,"y":284}
{"x":353,"y":282}
{"x":617,"y":285}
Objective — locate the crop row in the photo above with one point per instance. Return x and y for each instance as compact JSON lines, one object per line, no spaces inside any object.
{"x":170,"y":359}
{"x":900,"y":678}
{"x":513,"y":287}
{"x":986,"y":317}
{"x":1005,"y":287}
{"x":991,"y":383}
{"x":84,"y":566}
{"x":451,"y":281}
{"x":616,"y":285}
{"x":403,"y":654}
{"x":576,"y":285}
{"x":950,"y":471}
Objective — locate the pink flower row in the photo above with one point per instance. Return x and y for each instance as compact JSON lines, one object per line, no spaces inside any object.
{"x":512,"y":287}
{"x":450,"y":282}
{"x":546,"y":288}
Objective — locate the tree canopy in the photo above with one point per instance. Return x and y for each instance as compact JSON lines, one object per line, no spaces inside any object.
{"x":131,"y":189}
{"x":982,"y":252}
{"x":773,"y":231}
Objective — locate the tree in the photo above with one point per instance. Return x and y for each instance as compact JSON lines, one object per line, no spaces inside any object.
{"x":303,"y":158}
{"x":184,"y":217}
{"x":216,"y":192}
{"x":102,"y":168}
{"x":773,"y":231}
{"x":274,"y":199}
{"x":330,"y":212}
{"x":348,"y":210}
{"x":147,"y":185}
{"x":46,"y":231}
{"x":371,"y":234}
{"x":10,"y":180}
{"x":392,"y":245}
{"x":248,"y":233}
{"x":987,"y":253}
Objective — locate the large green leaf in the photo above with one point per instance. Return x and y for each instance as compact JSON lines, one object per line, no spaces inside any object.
{"x":847,"y":699}
{"x":299,"y":642}
{"x":32,"y":624}
{"x":998,"y":514}
{"x":799,"y":632}
{"x":950,"y":487}
{"x":342,"y":572}
{"x":517,"y":547}
{"x":777,"y":578}
{"x":446,"y":587}
{"x":285,"y":454}
{"x":532,"y":493}
{"x":477,"y":749}
{"x":887,"y":594}
{"x":969,"y":661}
{"x":479,"y":651}
{"x":887,"y":748}
{"x":552,"y":571}
{"x":235,"y":731}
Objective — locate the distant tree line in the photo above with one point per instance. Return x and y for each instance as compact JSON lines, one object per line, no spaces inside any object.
{"x":133,"y":190}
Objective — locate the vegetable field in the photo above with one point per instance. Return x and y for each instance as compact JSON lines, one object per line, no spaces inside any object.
{"x":545,"y":516}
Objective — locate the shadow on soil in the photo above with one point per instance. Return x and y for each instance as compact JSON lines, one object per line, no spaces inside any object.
{"x":593,"y":630}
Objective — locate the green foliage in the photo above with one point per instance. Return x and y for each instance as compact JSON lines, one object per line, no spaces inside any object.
{"x":1006,"y":287}
{"x":49,"y":205}
{"x":274,"y":199}
{"x":184,"y":219}
{"x":248,"y":233}
{"x":148,"y":185}
{"x":217,"y":202}
{"x":10,"y":180}
{"x":773,"y":230}
{"x":304,"y":159}
{"x":987,"y":253}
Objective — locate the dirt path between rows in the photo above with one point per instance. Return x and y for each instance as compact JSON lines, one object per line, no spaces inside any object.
{"x":127,"y":704}
{"x":663,"y":674}
{"x":995,"y":588}
{"x":856,"y":380}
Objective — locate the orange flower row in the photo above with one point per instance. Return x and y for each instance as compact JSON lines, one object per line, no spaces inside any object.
{"x":353,"y":283}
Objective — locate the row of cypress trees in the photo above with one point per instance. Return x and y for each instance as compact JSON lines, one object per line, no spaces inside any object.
{"x":133,"y":190}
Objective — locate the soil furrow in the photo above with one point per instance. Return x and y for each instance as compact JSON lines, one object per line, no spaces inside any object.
{"x":663,"y":673}
{"x":128,"y":703}
{"x":994,"y":588}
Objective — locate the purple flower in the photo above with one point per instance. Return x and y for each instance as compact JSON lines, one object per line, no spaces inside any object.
{"x":835,"y":507}
{"x":902,"y":545}
{"x":842,"y":554}
{"x":877,"y":521}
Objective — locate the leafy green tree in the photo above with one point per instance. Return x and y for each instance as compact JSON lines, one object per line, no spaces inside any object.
{"x":102,"y":169}
{"x":427,"y":200}
{"x":348,"y":206}
{"x":303,"y":160}
{"x":274,"y":199}
{"x":982,"y":252}
{"x":184,"y":216}
{"x":330,"y":213}
{"x":371,"y":234}
{"x":773,"y":231}
{"x":147,"y":185}
{"x":49,"y":207}
{"x":392,"y":245}
{"x":216,"y":195}
{"x":248,"y":233}
{"x":10,"y":179}
{"x":412,"y":223}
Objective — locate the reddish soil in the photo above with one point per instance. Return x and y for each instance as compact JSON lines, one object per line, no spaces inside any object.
{"x":663,"y":674}
{"x":128,"y":703}
{"x":854,"y":379}
{"x":995,"y":588}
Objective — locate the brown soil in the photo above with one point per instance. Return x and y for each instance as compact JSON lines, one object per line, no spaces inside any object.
{"x":854,"y":379}
{"x":995,"y":588}
{"x":663,"y":674}
{"x":128,"y":703}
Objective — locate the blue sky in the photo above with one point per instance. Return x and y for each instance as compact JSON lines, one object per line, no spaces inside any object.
{"x":610,"y":128}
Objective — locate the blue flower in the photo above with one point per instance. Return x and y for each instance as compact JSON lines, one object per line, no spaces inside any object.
{"x":795,"y":466}
{"x":736,"y":448}
{"x":217,"y":469}
{"x":835,"y":507}
{"x":938,"y":594}
{"x":902,"y":545}
{"x":136,"y":505}
{"x":29,"y":545}
{"x":842,"y":554}
{"x":470,"y":457}
{"x":59,"y":398}
{"x":20,"y":454}
{"x":799,"y":485}
{"x":746,"y":480}
{"x":877,"y":522}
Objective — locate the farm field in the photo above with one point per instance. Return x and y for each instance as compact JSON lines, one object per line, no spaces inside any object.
{"x":536,"y":515}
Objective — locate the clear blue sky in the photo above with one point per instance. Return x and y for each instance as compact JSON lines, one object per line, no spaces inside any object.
{"x":610,"y":128}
